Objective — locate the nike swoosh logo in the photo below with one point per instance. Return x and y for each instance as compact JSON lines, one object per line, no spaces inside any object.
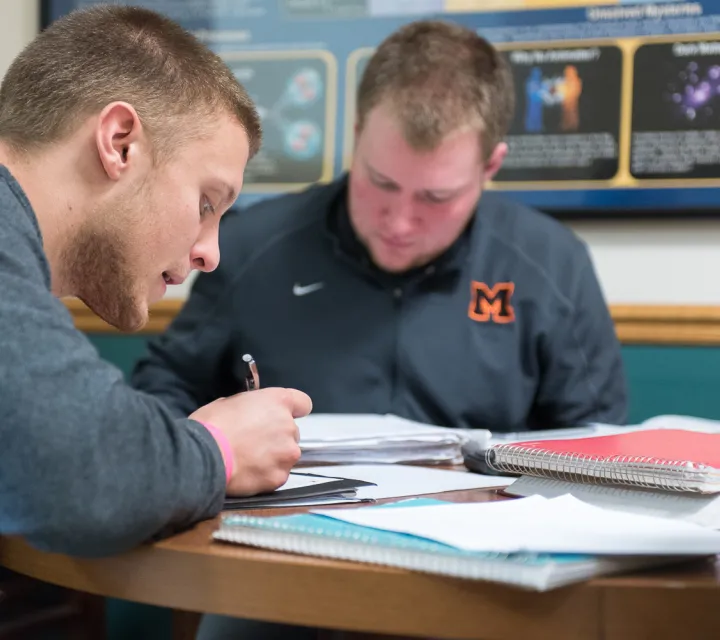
{"x":299,"y":290}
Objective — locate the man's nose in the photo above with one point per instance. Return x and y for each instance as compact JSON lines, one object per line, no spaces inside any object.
{"x":401,"y":219}
{"x":205,"y":255}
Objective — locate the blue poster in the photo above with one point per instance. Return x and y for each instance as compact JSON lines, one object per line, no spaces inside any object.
{"x":618,"y":103}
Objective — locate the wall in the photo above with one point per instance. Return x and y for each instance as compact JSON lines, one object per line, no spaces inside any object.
{"x":656,"y":262}
{"x":19,"y":21}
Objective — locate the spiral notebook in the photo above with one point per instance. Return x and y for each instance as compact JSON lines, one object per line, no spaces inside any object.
{"x":669,"y":459}
{"x":320,"y":536}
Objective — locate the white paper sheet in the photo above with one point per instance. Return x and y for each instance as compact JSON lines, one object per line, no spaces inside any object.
{"x":536,"y":524}
{"x":397,"y":480}
{"x":332,"y":428}
{"x":691,"y":423}
{"x":669,"y":421}
{"x":699,"y":508}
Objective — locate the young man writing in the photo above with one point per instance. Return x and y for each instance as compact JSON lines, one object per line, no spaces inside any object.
{"x":123,"y":140}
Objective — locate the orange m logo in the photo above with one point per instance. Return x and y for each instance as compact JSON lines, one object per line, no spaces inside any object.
{"x":491,"y":304}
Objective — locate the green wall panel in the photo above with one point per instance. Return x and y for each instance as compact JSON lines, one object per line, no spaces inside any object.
{"x":122,"y":350}
{"x":680,"y":380}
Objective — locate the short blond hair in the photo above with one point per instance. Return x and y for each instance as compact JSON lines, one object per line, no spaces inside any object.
{"x":438,"y":77}
{"x":95,"y":56}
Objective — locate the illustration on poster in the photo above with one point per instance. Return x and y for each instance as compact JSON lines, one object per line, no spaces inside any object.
{"x":302,"y":138}
{"x":563,"y":91}
{"x":291,"y":91}
{"x":695,"y":91}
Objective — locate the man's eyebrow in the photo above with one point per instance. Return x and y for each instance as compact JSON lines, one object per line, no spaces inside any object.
{"x":379,"y":176}
{"x":445,"y":193}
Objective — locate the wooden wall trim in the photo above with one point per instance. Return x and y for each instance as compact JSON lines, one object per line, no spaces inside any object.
{"x":667,"y":324}
{"x":635,"y":324}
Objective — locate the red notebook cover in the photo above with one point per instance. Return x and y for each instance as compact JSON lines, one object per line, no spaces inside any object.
{"x":663,"y":445}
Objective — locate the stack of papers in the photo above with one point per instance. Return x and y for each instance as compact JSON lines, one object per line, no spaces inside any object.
{"x":372,"y":438}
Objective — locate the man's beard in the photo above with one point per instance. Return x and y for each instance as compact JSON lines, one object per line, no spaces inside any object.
{"x":97,"y":264}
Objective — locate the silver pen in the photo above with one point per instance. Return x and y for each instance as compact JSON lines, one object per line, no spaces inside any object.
{"x":252,"y":377}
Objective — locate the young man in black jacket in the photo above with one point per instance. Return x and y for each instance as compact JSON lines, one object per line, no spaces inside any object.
{"x":403,"y":287}
{"x":398,"y":288}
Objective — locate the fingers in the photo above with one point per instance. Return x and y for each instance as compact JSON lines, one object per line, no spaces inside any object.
{"x":298,"y":402}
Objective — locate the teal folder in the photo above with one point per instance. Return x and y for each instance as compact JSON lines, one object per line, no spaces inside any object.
{"x":320,"y":536}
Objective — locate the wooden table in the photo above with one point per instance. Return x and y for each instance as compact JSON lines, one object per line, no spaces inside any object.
{"x":190,"y":572}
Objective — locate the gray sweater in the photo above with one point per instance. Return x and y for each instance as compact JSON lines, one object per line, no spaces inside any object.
{"x":88,"y":466}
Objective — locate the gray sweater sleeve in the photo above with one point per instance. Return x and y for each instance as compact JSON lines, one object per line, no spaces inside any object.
{"x":88,"y":465}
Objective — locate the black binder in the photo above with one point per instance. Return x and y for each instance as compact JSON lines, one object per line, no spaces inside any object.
{"x":338,"y":487}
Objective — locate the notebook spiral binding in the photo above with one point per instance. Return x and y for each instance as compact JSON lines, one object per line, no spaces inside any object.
{"x":236,"y":528}
{"x":651,"y":473}
{"x":373,"y":541}
{"x":534,"y":571}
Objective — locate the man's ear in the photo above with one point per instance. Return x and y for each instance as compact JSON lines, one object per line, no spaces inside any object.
{"x":118,"y":135}
{"x":494,"y":162}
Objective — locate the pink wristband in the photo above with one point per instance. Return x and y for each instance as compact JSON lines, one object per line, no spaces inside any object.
{"x":225,"y":449}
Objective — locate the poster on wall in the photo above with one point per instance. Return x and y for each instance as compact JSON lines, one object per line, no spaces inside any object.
{"x":618,"y":103}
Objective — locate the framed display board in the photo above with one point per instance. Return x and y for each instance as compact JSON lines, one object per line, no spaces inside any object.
{"x":618,"y":103}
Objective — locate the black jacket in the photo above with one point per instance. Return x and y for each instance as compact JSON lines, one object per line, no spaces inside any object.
{"x":508,"y":330}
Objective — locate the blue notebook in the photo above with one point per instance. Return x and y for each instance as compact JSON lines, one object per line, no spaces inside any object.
{"x":317,"y":535}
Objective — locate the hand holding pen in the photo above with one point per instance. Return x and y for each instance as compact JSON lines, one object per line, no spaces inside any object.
{"x":261,"y":432}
